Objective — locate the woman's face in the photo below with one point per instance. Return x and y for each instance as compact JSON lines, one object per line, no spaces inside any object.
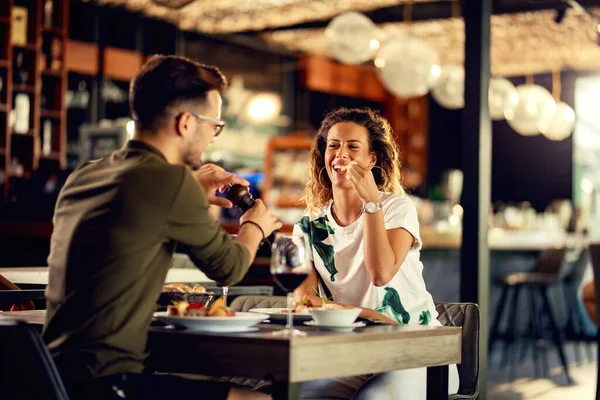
{"x":346,"y":142}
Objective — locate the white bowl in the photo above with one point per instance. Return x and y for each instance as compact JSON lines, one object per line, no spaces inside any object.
{"x":344,"y":316}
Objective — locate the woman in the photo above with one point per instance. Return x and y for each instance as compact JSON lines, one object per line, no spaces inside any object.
{"x":365,"y":241}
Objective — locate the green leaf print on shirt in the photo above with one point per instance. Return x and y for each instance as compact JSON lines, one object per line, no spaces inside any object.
{"x":391,"y":302}
{"x":425,"y":317}
{"x":317,"y":231}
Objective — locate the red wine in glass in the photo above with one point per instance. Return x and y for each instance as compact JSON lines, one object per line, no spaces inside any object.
{"x":289,"y":281}
{"x":289,"y":268}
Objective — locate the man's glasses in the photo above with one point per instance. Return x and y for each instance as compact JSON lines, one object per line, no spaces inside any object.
{"x":219,"y":125}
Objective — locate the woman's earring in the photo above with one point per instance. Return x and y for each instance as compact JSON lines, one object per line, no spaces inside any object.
{"x":383,"y":174}
{"x":320,"y":172}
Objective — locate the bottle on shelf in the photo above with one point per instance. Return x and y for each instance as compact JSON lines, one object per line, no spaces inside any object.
{"x":47,"y":138}
{"x":21,"y":75}
{"x":48,"y":11}
{"x":19,"y":26}
{"x":22,"y":109}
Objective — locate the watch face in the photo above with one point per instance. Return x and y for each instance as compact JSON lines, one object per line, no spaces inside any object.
{"x":371,"y":207}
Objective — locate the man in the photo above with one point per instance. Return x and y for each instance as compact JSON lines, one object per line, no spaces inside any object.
{"x":117,"y":223}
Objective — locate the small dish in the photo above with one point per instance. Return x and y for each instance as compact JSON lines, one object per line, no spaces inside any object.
{"x":339,"y":316}
{"x":337,"y":328}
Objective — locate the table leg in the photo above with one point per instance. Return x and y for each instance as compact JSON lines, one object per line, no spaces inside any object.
{"x":437,"y":383}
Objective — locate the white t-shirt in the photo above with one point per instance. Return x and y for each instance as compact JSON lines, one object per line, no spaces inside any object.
{"x":338,"y":256}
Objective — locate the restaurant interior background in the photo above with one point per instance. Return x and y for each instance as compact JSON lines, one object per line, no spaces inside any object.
{"x":75,"y":67}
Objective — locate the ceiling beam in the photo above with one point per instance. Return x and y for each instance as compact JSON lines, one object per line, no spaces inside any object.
{"x":433,"y":10}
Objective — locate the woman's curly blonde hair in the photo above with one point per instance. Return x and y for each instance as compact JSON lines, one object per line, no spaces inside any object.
{"x":318,"y":190}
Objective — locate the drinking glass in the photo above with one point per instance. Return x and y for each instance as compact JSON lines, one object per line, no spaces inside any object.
{"x":289,"y":268}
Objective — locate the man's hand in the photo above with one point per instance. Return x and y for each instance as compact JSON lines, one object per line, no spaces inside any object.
{"x":213,"y":177}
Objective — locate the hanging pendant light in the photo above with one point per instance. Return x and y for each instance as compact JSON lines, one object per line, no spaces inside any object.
{"x":562,"y":122}
{"x":535,"y":107}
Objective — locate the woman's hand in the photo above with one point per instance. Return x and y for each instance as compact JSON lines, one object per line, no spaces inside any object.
{"x":363,"y":181}
{"x":213,"y":177}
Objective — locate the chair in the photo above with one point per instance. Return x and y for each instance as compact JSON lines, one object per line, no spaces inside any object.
{"x":595,"y":257}
{"x":465,"y":315}
{"x":548,"y":271}
{"x":27,"y":370}
{"x":245,"y":303}
{"x":575,"y":325}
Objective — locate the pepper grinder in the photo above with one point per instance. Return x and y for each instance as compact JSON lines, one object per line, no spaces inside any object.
{"x":240,"y":196}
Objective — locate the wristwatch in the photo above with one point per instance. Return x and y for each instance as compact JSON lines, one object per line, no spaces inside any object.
{"x":371,"y":207}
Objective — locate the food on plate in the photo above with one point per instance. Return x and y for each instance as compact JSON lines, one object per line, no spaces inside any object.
{"x":306,"y":306}
{"x":183,"y":288}
{"x":185,"y":309}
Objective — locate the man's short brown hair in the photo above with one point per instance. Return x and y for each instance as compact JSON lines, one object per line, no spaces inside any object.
{"x":166,"y":81}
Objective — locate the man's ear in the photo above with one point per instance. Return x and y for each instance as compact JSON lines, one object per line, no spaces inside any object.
{"x":182,"y":124}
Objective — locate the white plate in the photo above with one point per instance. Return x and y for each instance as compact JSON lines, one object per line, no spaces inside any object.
{"x":338,"y":328}
{"x":277,"y":314}
{"x":241,"y":322}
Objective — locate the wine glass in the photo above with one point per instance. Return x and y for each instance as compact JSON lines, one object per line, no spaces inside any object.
{"x":289,"y":267}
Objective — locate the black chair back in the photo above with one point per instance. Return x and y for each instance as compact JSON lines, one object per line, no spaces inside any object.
{"x":465,"y":315}
{"x":551,"y":261}
{"x":595,"y":257}
{"x":27,"y":370}
{"x":575,"y":275}
{"x":245,"y":303}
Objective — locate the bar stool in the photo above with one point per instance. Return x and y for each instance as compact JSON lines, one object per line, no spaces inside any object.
{"x":574,"y":329}
{"x":549,"y":270}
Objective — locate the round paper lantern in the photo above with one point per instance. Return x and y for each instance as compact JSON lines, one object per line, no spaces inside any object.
{"x":561,"y":124}
{"x":449,"y":91}
{"x":409,"y":67}
{"x":535,"y":106}
{"x":502,"y":97}
{"x":351,"y":38}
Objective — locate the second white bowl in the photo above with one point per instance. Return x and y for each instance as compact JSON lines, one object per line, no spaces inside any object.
{"x":344,"y":316}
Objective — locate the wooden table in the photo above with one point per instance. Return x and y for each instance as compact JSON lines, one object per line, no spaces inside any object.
{"x":318,"y":355}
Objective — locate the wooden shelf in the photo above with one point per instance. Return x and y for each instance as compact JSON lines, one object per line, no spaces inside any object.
{"x":54,"y":73}
{"x":54,"y":114}
{"x":24,"y":175}
{"x":24,"y":88}
{"x":28,"y":46}
{"x":35,"y":229}
{"x":54,"y":156}
{"x":289,"y":203}
{"x":29,"y":133}
{"x":42,"y":42}
{"x":54,"y":31}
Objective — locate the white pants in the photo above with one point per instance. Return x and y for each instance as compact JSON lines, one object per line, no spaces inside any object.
{"x":406,"y":384}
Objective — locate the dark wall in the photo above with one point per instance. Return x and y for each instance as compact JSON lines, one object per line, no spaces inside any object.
{"x":532,"y":169}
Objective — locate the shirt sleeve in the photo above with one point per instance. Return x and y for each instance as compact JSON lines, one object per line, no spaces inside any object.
{"x":400,"y":212}
{"x":201,"y":237}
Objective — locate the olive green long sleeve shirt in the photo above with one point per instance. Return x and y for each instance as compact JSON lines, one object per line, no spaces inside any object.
{"x":117,"y":223}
